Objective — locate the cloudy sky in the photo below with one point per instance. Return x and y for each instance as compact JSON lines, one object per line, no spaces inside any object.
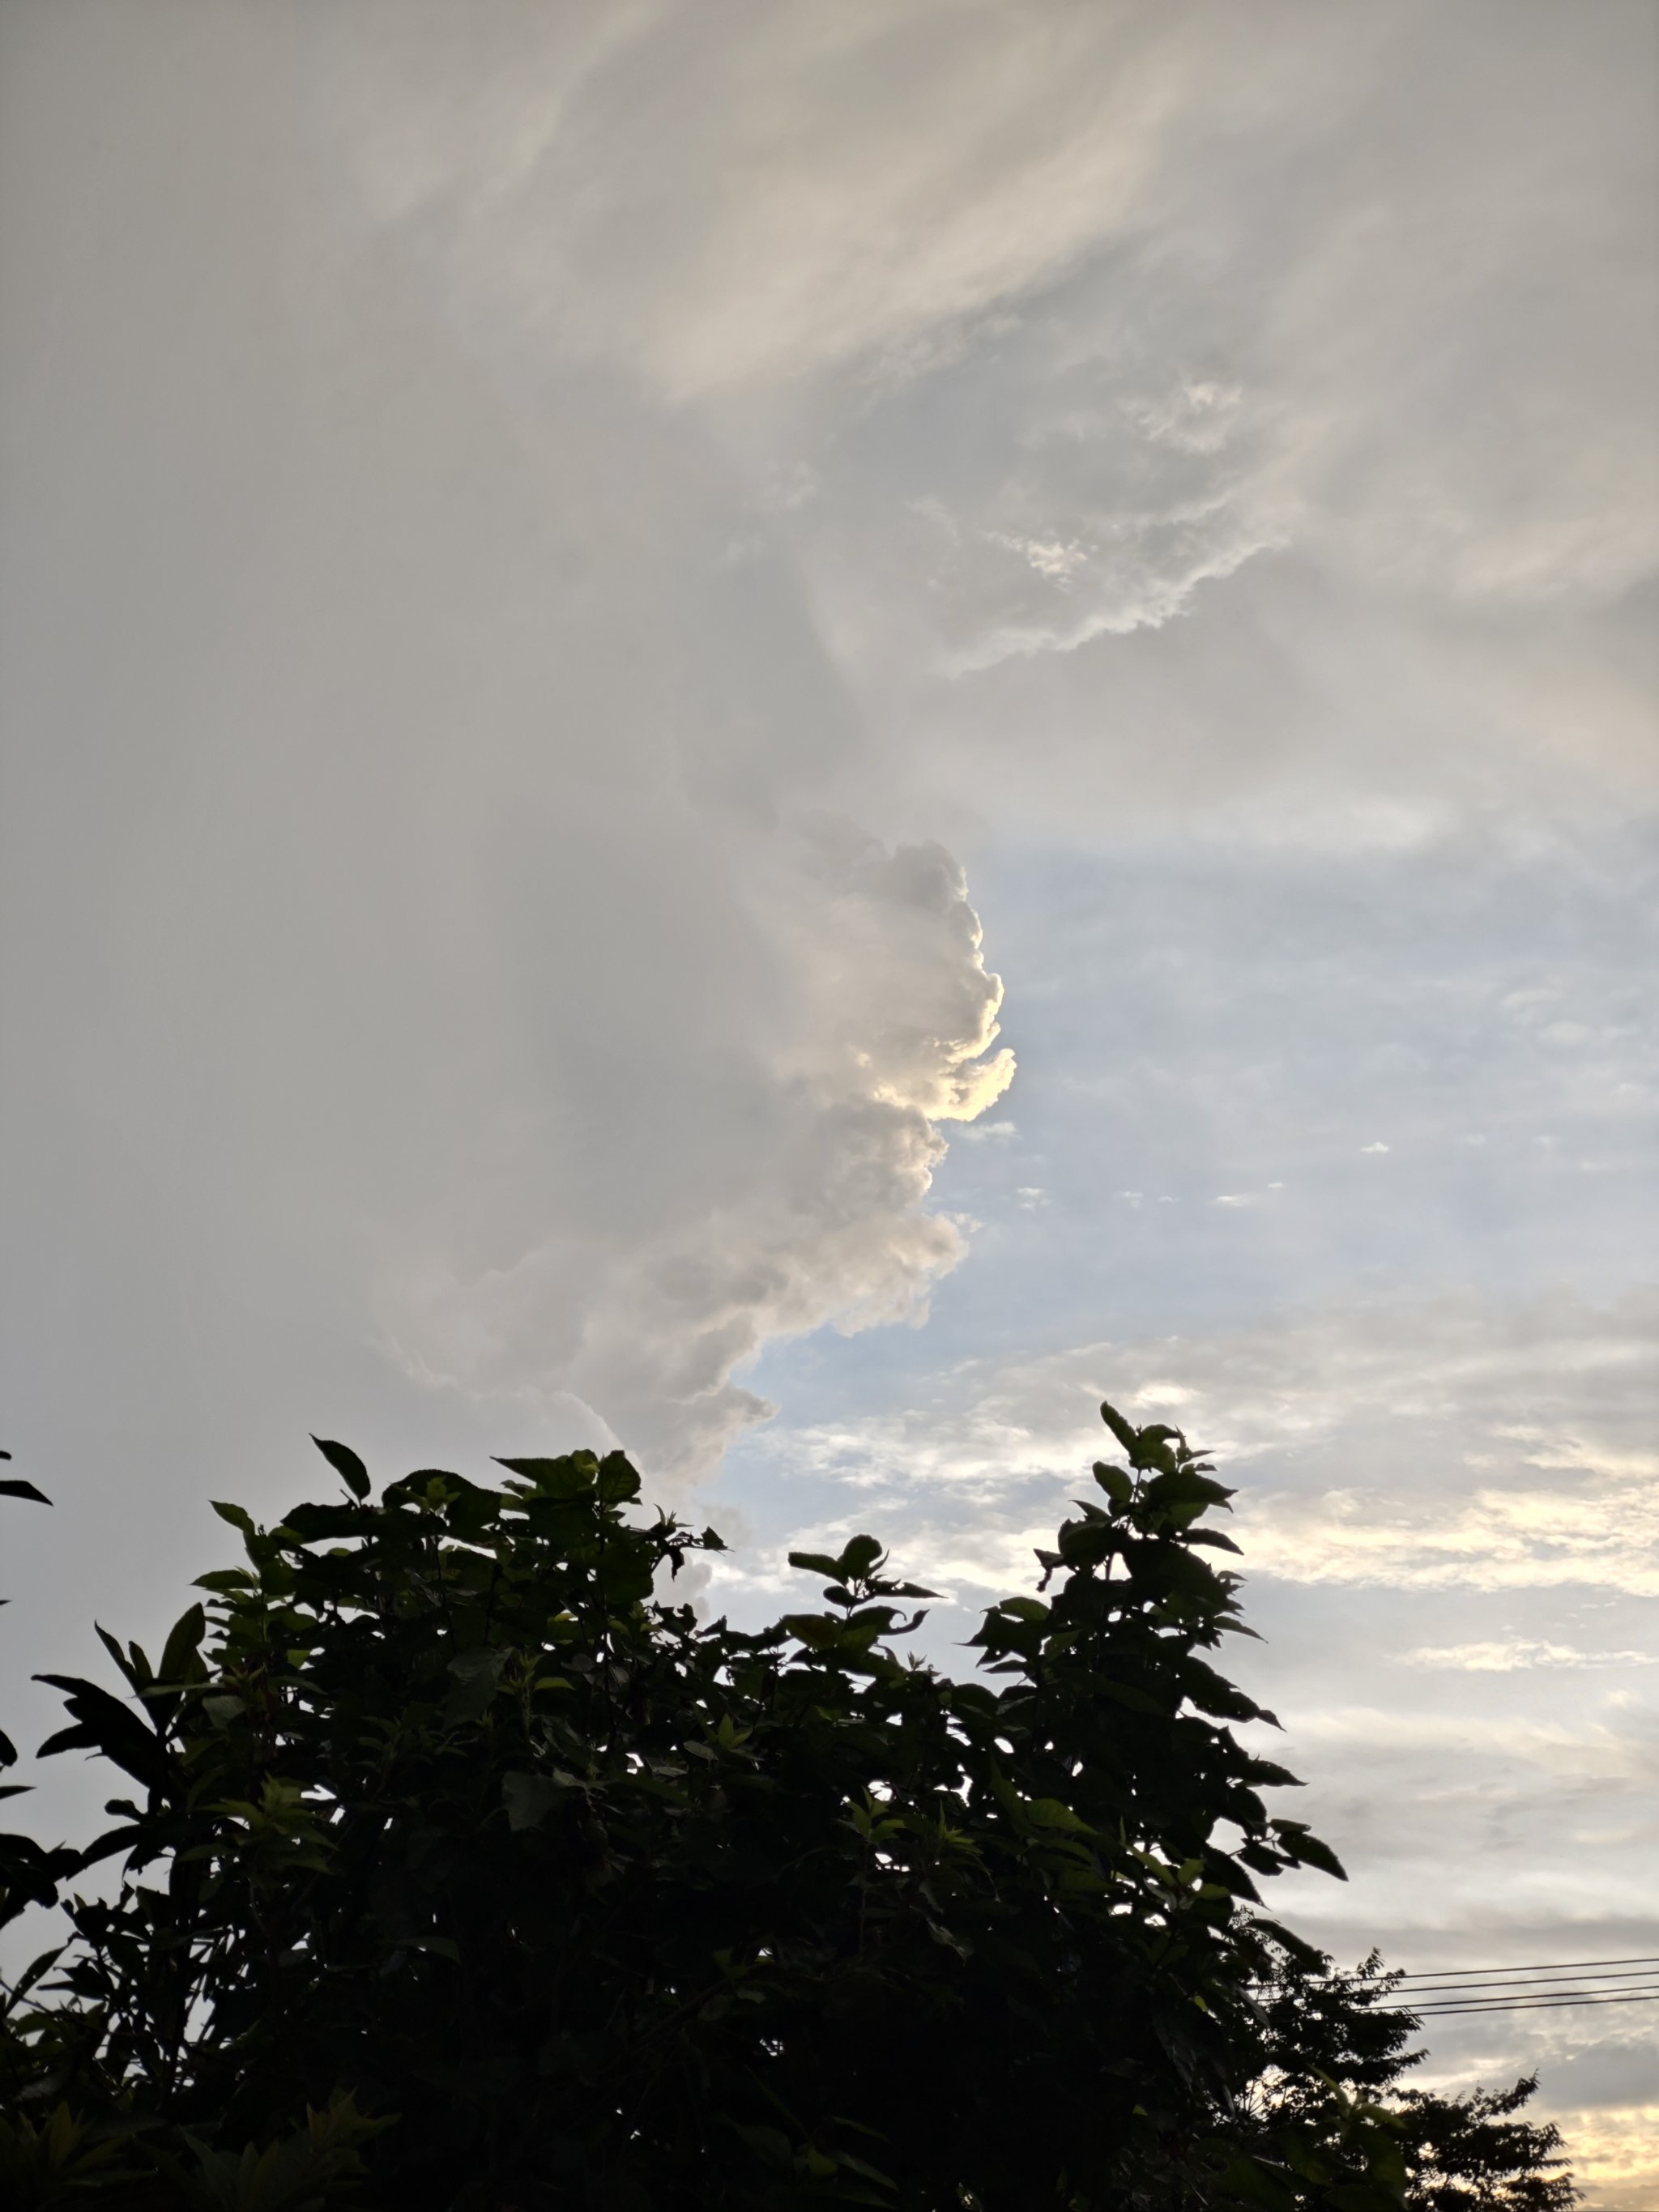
{"x":593,"y":595}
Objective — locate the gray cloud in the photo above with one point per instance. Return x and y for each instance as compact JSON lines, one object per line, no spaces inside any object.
{"x":1024,"y":335}
{"x":804,"y":1205}
{"x":446,"y":929}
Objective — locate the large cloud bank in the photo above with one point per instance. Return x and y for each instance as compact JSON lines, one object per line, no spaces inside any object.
{"x":1022,"y":325}
{"x":528,"y":525}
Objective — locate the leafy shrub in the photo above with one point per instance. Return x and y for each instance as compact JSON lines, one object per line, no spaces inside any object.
{"x":447,"y":1815}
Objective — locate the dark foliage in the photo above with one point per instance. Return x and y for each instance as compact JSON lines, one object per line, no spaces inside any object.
{"x":1471,"y":2155}
{"x":1465,"y":2154}
{"x":29,"y":1873}
{"x":461,"y":1867}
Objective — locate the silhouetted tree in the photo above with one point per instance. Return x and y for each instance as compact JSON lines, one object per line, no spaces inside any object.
{"x":458,"y":1842}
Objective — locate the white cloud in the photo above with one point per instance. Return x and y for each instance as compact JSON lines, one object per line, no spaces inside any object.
{"x":782,"y":192}
{"x":984,"y":1132}
{"x":1615,"y":2154}
{"x":1066,"y":317}
{"x":463,"y":955}
{"x":1516,"y":1652}
{"x":888,"y":1016}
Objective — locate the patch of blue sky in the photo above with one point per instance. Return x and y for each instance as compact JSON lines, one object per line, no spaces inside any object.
{"x":1256,"y":1078}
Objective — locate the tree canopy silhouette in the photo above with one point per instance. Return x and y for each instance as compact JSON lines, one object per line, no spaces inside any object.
{"x":462,"y":1869}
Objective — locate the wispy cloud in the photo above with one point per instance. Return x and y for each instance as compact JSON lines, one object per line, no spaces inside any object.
{"x":1503,"y":1658}
{"x":1447,"y":1443}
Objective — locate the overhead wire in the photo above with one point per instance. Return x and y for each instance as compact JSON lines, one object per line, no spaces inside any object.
{"x":1555,"y":1966}
{"x":1445,"y":1991}
{"x":1523,"y":2004}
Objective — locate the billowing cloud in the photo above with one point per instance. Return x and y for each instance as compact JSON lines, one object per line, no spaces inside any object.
{"x":809,"y":1210}
{"x":458,"y":954}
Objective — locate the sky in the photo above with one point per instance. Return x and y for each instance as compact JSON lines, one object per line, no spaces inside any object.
{"x":798,"y":732}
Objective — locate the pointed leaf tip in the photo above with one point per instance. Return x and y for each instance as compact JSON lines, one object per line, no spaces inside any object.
{"x":346,"y":1464}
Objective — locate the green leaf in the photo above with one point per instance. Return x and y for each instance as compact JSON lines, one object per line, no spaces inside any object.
{"x":1031,"y":1610}
{"x":819,"y":1631}
{"x":476,"y":1674}
{"x":315,"y":1524}
{"x":182,"y":1645}
{"x":473,"y":1513}
{"x":1117,"y":1483}
{"x":346,"y":1464}
{"x":1306,"y":1849}
{"x":770,"y":2145}
{"x":1126,"y":1435}
{"x":1051,"y":1812}
{"x":815,"y":1563}
{"x":428,"y":1487}
{"x":574,"y":1476}
{"x":104,"y":1724}
{"x":1244,"y":2180}
{"x":858,"y":1555}
{"x":138,"y":1680}
{"x":238,"y":1516}
{"x":619,"y":1479}
{"x":529,"y":1798}
{"x":438,"y":1946}
{"x":1185,"y":1486}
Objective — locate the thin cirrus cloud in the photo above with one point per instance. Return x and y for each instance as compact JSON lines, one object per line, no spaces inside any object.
{"x":1519,"y":1652}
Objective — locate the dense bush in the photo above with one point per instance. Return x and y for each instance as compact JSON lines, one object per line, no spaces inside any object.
{"x":467,"y":1870}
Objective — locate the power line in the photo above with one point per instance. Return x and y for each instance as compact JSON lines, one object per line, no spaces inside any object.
{"x":1523,"y":2004}
{"x":1469,"y":1973}
{"x":1444,"y":1992}
{"x":1440,"y":1992}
